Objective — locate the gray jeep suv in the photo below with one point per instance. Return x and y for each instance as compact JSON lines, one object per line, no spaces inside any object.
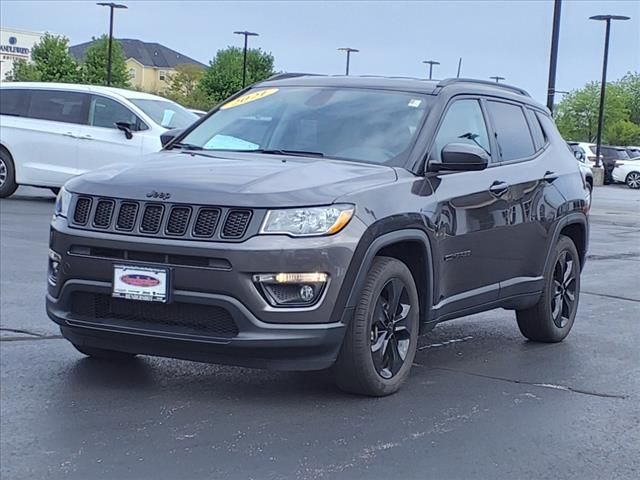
{"x":311,"y":222}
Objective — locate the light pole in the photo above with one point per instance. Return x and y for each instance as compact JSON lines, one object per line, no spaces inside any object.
{"x":606,"y":18}
{"x":553,"y":58}
{"x":431,"y":63}
{"x":497,"y":78}
{"x":349,"y":50}
{"x":244,"y":54}
{"x":112,"y":6}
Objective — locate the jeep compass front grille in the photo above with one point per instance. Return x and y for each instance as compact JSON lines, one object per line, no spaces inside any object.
{"x":189,"y":222}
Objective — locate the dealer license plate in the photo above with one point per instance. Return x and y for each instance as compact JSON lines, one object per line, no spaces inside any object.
{"x":140,"y":283}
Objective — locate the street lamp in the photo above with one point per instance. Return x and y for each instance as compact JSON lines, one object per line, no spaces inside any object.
{"x":244,"y":54}
{"x":431,"y":63}
{"x":497,"y":78}
{"x":606,"y":18}
{"x":111,"y":6}
{"x":349,"y":50}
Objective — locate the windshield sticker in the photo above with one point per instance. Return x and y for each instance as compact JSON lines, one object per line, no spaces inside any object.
{"x":249,"y":97}
{"x":414,"y":103}
{"x":166,"y":118}
{"x":227,"y":142}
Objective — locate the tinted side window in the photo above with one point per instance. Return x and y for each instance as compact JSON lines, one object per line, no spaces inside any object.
{"x":539,"y":137}
{"x":512,"y":130}
{"x":105,"y":112}
{"x":14,"y":102}
{"x":463,"y":123}
{"x":69,"y":107}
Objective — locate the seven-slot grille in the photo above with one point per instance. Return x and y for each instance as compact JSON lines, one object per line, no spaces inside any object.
{"x":161,"y":219}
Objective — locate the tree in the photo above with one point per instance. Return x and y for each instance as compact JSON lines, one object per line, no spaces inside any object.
{"x":631,"y":84}
{"x":577,"y":114}
{"x":52,"y":62}
{"x":94,"y":67}
{"x":224,"y":76}
{"x":184,"y":87}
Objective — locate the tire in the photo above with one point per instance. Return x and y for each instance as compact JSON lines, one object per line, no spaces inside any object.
{"x":633,"y":180}
{"x":8,"y":183}
{"x":370,"y":360}
{"x":551,"y":319}
{"x":103,"y":354}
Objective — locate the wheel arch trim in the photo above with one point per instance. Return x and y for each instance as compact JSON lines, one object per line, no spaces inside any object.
{"x":574,"y":218}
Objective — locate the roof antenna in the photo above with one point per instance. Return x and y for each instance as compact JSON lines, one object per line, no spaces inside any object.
{"x":459,"y":67}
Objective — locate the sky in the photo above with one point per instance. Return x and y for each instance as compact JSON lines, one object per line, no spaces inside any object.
{"x":507,"y":38}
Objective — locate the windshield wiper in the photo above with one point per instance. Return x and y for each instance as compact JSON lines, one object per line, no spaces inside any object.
{"x":187,"y":146}
{"x":296,"y":153}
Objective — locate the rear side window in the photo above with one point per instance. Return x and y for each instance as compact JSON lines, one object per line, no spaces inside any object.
{"x":511,"y":130}
{"x":59,"y":106}
{"x":105,"y":112}
{"x":14,"y":102}
{"x":539,"y":137}
{"x":463,"y":123}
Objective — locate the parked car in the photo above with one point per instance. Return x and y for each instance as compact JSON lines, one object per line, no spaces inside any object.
{"x":52,"y":132}
{"x":611,"y":156}
{"x":633,"y":152}
{"x":628,"y":172}
{"x":588,"y":151}
{"x":318,"y":221}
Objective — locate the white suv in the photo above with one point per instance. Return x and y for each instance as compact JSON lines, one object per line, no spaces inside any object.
{"x":588,"y":151}
{"x":51,"y":132}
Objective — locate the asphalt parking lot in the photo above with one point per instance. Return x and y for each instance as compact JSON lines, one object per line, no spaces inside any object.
{"x":481,"y":402}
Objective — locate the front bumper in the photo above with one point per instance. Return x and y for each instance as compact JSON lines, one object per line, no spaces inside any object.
{"x":266,"y":337}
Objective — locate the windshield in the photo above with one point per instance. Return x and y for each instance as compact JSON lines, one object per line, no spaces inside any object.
{"x":165,"y":113}
{"x":365,"y":125}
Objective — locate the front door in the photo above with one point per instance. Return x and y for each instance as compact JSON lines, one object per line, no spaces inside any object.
{"x":471,"y":216}
{"x":101,"y":143}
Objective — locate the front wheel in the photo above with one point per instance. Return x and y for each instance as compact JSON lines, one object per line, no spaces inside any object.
{"x":7,"y":175}
{"x":551,"y":319}
{"x":633,"y":180}
{"x":381,"y":339}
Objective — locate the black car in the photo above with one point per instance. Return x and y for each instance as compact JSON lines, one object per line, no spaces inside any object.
{"x":316,"y":221}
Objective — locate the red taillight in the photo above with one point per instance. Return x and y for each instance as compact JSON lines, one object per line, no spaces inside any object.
{"x":591,"y":158}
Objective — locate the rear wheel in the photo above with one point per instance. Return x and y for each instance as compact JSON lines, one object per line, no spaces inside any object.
{"x":380,"y":343}
{"x":633,"y":180}
{"x":551,"y":319}
{"x":103,"y":354}
{"x":7,"y":175}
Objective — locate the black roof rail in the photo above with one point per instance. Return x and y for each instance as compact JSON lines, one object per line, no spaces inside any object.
{"x":451,"y":81}
{"x":283,"y":75}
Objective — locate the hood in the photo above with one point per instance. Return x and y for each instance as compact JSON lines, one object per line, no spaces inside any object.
{"x":233,"y":179}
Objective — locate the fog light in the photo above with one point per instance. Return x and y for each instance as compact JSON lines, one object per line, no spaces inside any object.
{"x":54,"y":266}
{"x":291,"y":289}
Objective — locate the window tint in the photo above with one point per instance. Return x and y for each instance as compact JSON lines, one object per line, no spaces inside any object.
{"x":105,"y":112}
{"x":463,"y":123}
{"x":13,"y":102}
{"x":538,"y":135}
{"x":69,"y":107}
{"x":512,"y":130}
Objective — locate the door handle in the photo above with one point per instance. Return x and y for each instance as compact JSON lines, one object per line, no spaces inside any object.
{"x":86,"y":137}
{"x":499,"y":188}
{"x":549,"y":176}
{"x":69,"y":134}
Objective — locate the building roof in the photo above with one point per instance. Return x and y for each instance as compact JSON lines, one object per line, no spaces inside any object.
{"x":148,"y":54}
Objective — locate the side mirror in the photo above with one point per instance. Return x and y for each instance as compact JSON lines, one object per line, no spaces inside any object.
{"x":125,"y":127}
{"x":169,"y":135}
{"x":461,"y":157}
{"x":579,"y":155}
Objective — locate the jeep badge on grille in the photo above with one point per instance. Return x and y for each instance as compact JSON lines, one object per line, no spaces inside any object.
{"x":160,"y":195}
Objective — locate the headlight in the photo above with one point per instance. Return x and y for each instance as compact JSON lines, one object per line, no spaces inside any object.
{"x":302,"y":222}
{"x":63,"y":201}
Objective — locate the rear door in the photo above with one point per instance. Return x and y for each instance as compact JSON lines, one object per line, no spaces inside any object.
{"x":470,"y":216}
{"x":44,"y":142}
{"x":101,"y":143}
{"x":528,"y":169}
